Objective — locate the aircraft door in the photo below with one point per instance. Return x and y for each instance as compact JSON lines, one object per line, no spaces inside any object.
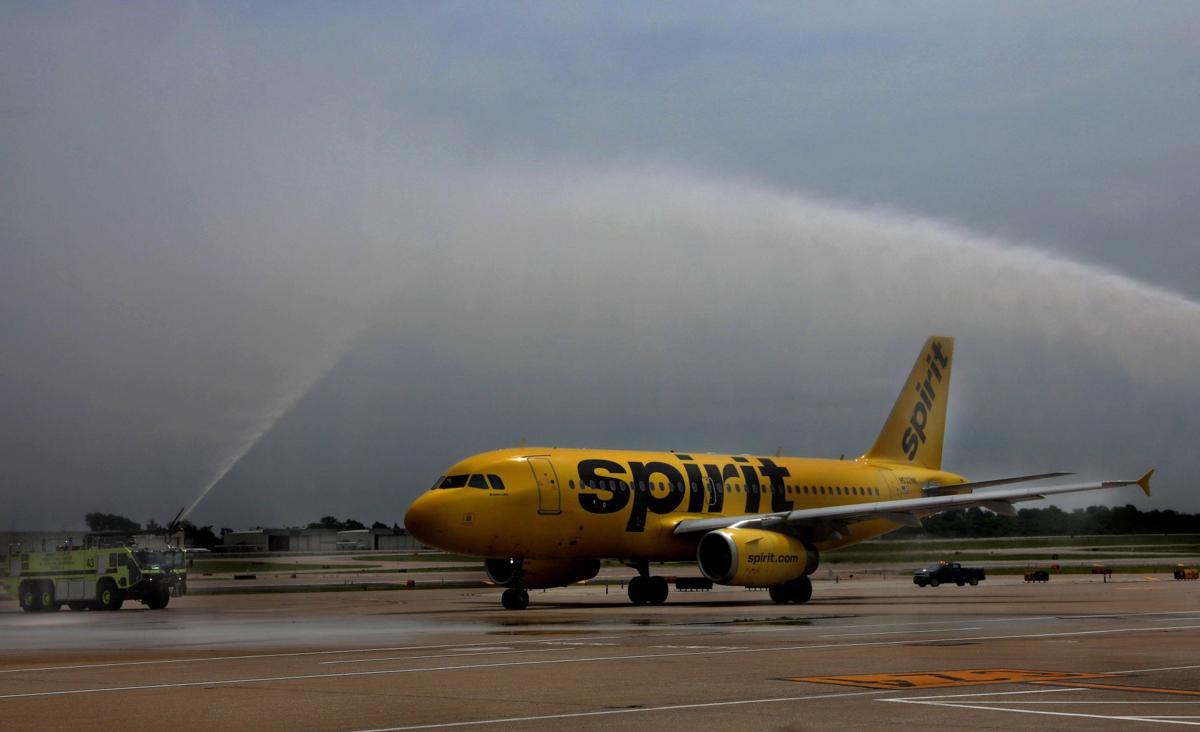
{"x":892,"y":489}
{"x":549,"y":490}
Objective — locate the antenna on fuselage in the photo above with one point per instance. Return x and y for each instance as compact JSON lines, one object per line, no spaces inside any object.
{"x":779,"y":451}
{"x":521,"y":443}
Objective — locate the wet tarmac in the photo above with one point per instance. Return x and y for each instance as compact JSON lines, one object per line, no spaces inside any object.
{"x":1076,"y":653}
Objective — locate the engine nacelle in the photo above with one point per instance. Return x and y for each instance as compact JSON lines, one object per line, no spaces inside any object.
{"x":536,"y":574}
{"x":754,"y":557}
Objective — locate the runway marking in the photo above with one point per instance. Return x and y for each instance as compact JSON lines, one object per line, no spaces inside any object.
{"x":896,"y":632}
{"x":604,"y":712}
{"x":992,"y":705}
{"x":594,"y":659}
{"x":1148,"y":670}
{"x":290,"y":654}
{"x":934,"y":679}
{"x":444,"y":655}
{"x":1139,"y":689}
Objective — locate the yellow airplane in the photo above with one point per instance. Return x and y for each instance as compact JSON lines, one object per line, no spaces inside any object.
{"x":545,"y":517}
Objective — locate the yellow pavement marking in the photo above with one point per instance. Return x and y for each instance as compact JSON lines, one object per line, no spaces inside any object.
{"x":935,"y":679}
{"x":1118,"y":687}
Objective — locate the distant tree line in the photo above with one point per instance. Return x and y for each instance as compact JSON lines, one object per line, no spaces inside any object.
{"x":1053,"y":521}
{"x":193,"y":535}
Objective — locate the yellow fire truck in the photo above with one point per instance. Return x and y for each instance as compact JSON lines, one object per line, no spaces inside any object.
{"x":94,"y":577}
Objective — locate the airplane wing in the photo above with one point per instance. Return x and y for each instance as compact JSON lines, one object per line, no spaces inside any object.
{"x":906,"y":511}
{"x":934,"y":489}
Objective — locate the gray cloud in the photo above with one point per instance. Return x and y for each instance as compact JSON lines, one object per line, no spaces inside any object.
{"x":584,"y":226}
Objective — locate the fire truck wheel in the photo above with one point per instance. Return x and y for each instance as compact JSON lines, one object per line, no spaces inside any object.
{"x":46,"y":597}
{"x":30,"y":597}
{"x":158,"y":599}
{"x":107,"y":595}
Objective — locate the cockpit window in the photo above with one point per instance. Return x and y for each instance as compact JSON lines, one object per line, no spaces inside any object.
{"x":454,"y":481}
{"x":477,"y":481}
{"x":497,"y":484}
{"x":438,"y":483}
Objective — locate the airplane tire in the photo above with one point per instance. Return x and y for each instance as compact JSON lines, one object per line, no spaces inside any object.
{"x":800,"y":590}
{"x":779,"y":594}
{"x":638,"y":592}
{"x":657,"y":590}
{"x":515,"y":598}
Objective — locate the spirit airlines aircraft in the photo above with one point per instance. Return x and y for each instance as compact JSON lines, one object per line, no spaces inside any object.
{"x":545,"y":517}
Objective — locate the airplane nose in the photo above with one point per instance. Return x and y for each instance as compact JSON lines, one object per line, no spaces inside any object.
{"x":422,"y":518}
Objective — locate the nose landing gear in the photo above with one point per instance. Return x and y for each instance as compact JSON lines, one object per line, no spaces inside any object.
{"x":515,"y":598}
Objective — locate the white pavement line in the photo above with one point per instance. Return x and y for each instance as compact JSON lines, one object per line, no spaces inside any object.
{"x":446,"y":655}
{"x":1147,"y":670}
{"x":895,"y":632}
{"x":1048,"y":713}
{"x":639,"y":710}
{"x":391,"y":649}
{"x":880,"y":625}
{"x":594,"y":659}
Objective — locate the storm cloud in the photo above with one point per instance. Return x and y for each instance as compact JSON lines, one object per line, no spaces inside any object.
{"x":383,"y":240}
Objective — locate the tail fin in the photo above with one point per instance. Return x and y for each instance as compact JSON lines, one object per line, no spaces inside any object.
{"x":913,"y":431}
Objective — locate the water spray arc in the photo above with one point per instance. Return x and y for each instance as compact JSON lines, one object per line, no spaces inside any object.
{"x":265,"y":425}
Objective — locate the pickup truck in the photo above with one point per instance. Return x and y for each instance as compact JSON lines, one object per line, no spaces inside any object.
{"x":943,"y":573}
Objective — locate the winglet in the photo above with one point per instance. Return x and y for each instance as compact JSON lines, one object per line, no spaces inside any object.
{"x":1144,"y":482}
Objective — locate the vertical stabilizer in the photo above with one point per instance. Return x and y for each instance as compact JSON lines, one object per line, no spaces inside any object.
{"x":913,"y":431}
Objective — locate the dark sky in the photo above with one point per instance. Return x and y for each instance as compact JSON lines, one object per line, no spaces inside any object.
{"x":412,"y":232}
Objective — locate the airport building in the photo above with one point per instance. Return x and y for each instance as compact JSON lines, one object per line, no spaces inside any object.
{"x":319,"y":540}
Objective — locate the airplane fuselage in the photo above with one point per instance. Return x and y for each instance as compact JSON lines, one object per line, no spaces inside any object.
{"x":577,"y":503}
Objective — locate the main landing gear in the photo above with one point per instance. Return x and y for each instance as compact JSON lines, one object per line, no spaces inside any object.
{"x":647,"y":590}
{"x":798,"y":591}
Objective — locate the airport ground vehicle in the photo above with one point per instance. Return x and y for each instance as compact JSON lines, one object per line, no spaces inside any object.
{"x":1186,"y":573}
{"x":94,"y":577}
{"x":1037,"y":575}
{"x":944,"y":573}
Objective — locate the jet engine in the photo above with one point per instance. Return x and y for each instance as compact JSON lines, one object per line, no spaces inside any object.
{"x":754,"y":557}
{"x":535,"y":574}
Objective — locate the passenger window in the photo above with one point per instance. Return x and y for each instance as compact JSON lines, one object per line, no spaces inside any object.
{"x":454,"y":481}
{"x":498,"y":484}
{"x":477,"y":481}
{"x":571,"y":484}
